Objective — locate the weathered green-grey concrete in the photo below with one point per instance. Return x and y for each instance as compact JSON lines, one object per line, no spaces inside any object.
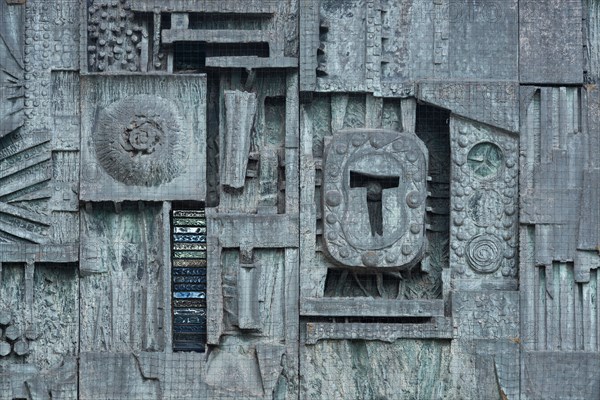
{"x":299,"y":199}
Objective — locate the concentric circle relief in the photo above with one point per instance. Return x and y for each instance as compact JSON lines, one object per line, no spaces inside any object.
{"x":484,"y":253}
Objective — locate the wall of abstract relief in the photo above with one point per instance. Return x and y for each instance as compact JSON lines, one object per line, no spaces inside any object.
{"x":299,"y":199}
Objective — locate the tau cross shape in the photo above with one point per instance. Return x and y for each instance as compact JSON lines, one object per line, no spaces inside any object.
{"x":375,"y":186}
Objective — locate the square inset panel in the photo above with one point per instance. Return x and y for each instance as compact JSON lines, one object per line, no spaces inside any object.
{"x":143,"y":138}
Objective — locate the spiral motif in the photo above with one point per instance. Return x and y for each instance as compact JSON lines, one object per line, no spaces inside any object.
{"x":484,"y":253}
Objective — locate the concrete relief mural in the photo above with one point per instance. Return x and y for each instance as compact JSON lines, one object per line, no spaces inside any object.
{"x":299,"y":199}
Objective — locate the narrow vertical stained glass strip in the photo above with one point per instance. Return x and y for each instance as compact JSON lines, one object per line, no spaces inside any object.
{"x":188,"y":285}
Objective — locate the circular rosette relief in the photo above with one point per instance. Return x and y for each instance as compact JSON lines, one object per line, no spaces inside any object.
{"x":484,"y":253}
{"x":141,"y":140}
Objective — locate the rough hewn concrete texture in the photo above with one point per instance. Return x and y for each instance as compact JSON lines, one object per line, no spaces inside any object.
{"x":359,"y":369}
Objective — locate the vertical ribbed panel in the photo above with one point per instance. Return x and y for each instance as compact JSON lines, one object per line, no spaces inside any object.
{"x":568,"y":312}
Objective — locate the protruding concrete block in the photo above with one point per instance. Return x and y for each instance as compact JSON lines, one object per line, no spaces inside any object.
{"x":4,"y":349}
{"x":37,"y":388}
{"x":240,"y":110}
{"x":143,"y":138}
{"x":269,"y":361}
{"x":12,"y":333}
{"x":494,"y":103}
{"x":32,"y":333}
{"x":561,"y":375}
{"x":248,"y":307}
{"x":5,"y":317}
{"x":21,"y":347}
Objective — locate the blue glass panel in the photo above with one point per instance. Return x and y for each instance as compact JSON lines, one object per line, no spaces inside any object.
{"x":190,"y":263}
{"x":188,"y":222}
{"x":190,"y":319}
{"x":189,"y":238}
{"x":199,"y":328}
{"x":189,"y":271}
{"x":197,"y":230}
{"x":197,"y":346}
{"x":189,"y":311}
{"x":185,"y":303}
{"x":189,"y":213}
{"x":189,"y":295}
{"x":186,"y":287}
{"x":190,"y":337}
{"x":189,"y":280}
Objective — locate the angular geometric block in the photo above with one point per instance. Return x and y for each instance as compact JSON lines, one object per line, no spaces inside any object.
{"x":484,"y":201}
{"x":240,"y":112}
{"x":143,"y":138}
{"x":248,"y":287}
{"x":561,"y":375}
{"x":550,"y":37}
{"x":493,"y":103}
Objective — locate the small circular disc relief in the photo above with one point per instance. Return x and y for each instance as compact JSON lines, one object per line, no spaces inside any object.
{"x":485,"y":160}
